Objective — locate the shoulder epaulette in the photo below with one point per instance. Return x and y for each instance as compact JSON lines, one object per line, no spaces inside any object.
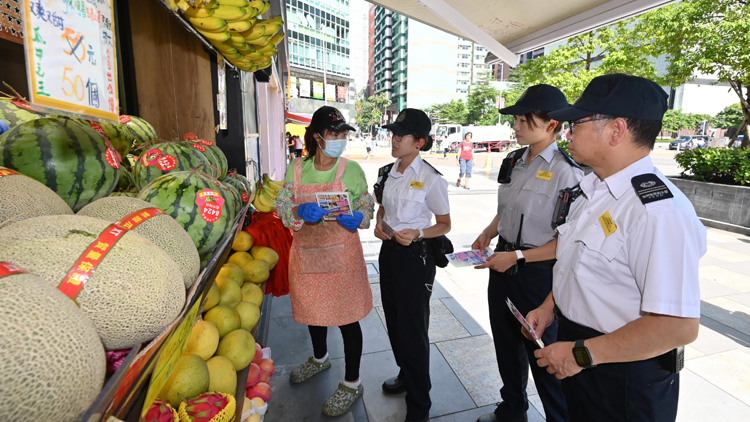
{"x":650,"y":188}
{"x":568,"y":157}
{"x":430,"y":166}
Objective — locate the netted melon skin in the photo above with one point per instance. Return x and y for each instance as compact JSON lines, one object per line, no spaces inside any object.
{"x":135,"y":292}
{"x":24,"y":198}
{"x":163,"y":230}
{"x":52,"y":364}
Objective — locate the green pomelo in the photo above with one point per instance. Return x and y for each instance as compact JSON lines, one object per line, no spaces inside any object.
{"x":212,"y":298}
{"x":233,"y":273}
{"x":225,"y":318}
{"x":252,"y":293}
{"x":204,"y":339}
{"x":66,"y":156}
{"x":249,"y":315}
{"x":162,"y":229}
{"x":188,"y":379}
{"x":229,"y":291}
{"x":24,"y":197}
{"x":135,"y":292}
{"x":239,"y":347}
{"x":52,"y":363}
{"x":222,"y":376}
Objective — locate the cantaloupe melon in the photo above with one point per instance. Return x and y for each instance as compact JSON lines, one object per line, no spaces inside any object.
{"x":24,"y":197}
{"x":52,"y":364}
{"x":163,"y":230}
{"x":136,"y":291}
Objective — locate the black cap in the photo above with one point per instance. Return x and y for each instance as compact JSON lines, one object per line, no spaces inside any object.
{"x":410,"y":120}
{"x":540,"y":97}
{"x":618,"y":95}
{"x":330,"y":118}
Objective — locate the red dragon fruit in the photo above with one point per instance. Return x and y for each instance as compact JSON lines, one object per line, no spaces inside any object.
{"x":161,"y":412}
{"x":208,"y":407}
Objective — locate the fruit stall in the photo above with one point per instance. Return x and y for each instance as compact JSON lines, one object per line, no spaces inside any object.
{"x":139,"y":142}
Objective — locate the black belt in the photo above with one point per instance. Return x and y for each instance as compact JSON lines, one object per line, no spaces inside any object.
{"x":505,"y":246}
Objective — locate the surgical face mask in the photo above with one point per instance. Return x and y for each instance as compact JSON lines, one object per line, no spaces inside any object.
{"x":334,"y":148}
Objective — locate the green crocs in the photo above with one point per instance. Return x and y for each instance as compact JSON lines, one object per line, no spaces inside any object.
{"x":341,"y":400}
{"x":305,"y":371}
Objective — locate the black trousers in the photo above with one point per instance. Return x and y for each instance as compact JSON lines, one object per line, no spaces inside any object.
{"x":515,"y":354}
{"x":405,"y":287}
{"x":352,"y":334}
{"x":641,"y":391}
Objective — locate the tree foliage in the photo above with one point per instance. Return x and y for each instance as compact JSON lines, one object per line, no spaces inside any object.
{"x":676,"y":120}
{"x":481,"y":109}
{"x":730,"y":117}
{"x":369,"y":110}
{"x":452,"y":112}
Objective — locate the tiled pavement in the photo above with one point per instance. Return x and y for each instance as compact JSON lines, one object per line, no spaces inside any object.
{"x":715,"y":383}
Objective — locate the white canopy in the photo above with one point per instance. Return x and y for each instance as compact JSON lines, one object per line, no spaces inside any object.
{"x":508,"y":28}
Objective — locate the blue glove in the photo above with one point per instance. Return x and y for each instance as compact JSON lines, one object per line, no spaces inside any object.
{"x":3,"y":127}
{"x":311,"y":212}
{"x":351,"y":222}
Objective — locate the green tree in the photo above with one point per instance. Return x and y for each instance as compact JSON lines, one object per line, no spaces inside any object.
{"x":730,"y":117}
{"x":369,"y":110}
{"x":481,"y":109}
{"x":511,"y":95}
{"x":451,"y":112}
{"x":709,"y":37}
{"x":613,"y":49}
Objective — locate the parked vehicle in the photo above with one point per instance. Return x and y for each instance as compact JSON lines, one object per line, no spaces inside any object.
{"x":683,"y":142}
{"x":738,"y":142}
{"x":489,"y":138}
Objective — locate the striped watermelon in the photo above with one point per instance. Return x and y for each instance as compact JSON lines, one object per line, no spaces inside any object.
{"x":166,"y":157}
{"x":128,"y":194}
{"x":126,"y":182}
{"x":251,"y":188}
{"x":212,"y":152}
{"x":179,"y":195}
{"x":236,"y":198}
{"x":15,"y":112}
{"x":71,"y":159}
{"x":141,"y":130}
{"x":240,"y":187}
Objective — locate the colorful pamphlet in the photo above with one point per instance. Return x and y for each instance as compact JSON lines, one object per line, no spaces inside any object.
{"x":337,"y":204}
{"x":523,"y":321}
{"x":470,"y":258}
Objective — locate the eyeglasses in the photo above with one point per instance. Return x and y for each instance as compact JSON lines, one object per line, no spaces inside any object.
{"x":578,"y":122}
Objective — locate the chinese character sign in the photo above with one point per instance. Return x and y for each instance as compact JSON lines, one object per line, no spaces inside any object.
{"x":70,"y":56}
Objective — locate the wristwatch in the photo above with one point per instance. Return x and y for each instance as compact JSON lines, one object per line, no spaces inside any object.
{"x":582,"y":355}
{"x":420,"y":238}
{"x":521,"y":261}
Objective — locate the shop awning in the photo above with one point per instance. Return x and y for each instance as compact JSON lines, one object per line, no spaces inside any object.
{"x":293,"y":118}
{"x":508,"y":28}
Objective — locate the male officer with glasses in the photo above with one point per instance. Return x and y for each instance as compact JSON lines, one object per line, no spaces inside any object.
{"x":625,"y":286}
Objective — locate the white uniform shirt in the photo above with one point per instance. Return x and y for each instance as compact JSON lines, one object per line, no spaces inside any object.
{"x":411,"y":198}
{"x":648,"y":264}
{"x":533,"y":191}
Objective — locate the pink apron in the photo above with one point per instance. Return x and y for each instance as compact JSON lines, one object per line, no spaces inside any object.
{"x":328,"y":279}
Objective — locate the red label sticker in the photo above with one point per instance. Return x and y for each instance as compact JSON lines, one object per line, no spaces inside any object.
{"x":166,"y":162}
{"x":245,"y":197}
{"x":22,"y":105}
{"x":199,"y":147}
{"x":133,"y":220}
{"x":231,"y":172}
{"x":124,"y":119}
{"x":190,"y":137}
{"x":211,"y":204}
{"x":205,"y":142}
{"x":112,"y":157}
{"x":97,"y":127}
{"x":150,"y":157}
{"x":6,"y":269}
{"x":8,"y":172}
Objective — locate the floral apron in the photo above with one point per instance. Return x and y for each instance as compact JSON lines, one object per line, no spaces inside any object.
{"x":328,"y":279}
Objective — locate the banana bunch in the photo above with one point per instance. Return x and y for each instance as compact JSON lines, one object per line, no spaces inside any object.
{"x":267,"y":191}
{"x":233,"y":27}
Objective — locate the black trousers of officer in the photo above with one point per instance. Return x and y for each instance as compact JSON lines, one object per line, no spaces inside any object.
{"x":641,"y":391}
{"x":515,"y":354}
{"x":405,"y":287}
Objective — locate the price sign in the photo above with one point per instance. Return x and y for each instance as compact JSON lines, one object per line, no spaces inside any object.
{"x":70,"y":56}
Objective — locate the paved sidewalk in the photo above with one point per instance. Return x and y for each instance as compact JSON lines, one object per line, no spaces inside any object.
{"x":715,"y":383}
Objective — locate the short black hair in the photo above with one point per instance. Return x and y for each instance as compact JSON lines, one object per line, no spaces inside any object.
{"x":543,"y":116}
{"x":643,"y":132}
{"x":428,"y":140}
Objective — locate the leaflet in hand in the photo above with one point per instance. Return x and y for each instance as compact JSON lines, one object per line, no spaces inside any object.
{"x":470,"y":258}
{"x":337,"y":204}
{"x":523,"y":321}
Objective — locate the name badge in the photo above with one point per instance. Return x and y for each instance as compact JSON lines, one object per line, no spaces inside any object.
{"x":608,"y":225}
{"x":416,"y":185}
{"x":544,"y":175}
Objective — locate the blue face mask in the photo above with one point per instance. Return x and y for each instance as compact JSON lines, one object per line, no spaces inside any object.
{"x":334,"y":148}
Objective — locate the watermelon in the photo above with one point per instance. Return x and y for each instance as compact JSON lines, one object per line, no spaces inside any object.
{"x":141,"y":130}
{"x":166,"y":157}
{"x":71,"y":159}
{"x":240,"y":187}
{"x":236,"y":198}
{"x":251,"y":188}
{"x":16,"y":112}
{"x":198,"y":203}
{"x":126,"y":183}
{"x":128,"y":194}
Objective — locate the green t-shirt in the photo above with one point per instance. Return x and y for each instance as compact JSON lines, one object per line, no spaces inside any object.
{"x":353,"y":179}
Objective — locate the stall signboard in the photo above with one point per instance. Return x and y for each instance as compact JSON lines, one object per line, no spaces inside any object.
{"x":318,"y":90}
{"x":11,"y":22}
{"x":304,"y":88}
{"x":70,"y":56}
{"x":341,"y":93}
{"x":331,"y":92}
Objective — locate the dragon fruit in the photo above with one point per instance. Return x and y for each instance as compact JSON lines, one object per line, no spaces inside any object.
{"x":208,"y":407}
{"x":161,"y":412}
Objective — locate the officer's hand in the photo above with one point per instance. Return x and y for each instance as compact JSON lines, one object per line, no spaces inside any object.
{"x":558,"y":359}
{"x":406,"y":236}
{"x":311,"y":212}
{"x":351,"y":222}
{"x":539,"y":319}
{"x":500,"y":261}
{"x":482,"y":242}
{"x":379,"y":233}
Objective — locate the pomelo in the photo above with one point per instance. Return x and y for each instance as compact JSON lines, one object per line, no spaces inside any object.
{"x":233,"y":273}
{"x":252,"y":293}
{"x":266,"y":254}
{"x":188,"y":379}
{"x":204,"y":339}
{"x":243,"y":242}
{"x":256,"y":271}
{"x":249,"y":315}
{"x":222,"y":376}
{"x":212,"y":297}
{"x":239,"y":347}
{"x":240,"y":258}
{"x":230,"y":292}
{"x":225,"y":318}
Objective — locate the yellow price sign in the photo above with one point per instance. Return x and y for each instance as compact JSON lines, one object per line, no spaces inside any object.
{"x":170,"y":354}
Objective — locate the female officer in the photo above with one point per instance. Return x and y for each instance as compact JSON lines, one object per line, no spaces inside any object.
{"x":521,"y":269}
{"x":409,"y":192}
{"x":328,"y":280}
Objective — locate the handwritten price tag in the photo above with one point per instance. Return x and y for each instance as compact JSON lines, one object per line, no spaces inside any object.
{"x":166,"y":162}
{"x":199,"y":147}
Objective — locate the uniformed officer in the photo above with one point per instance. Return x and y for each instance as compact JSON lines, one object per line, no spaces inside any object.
{"x":521,"y":268}
{"x":410,"y":191}
{"x":625,"y":287}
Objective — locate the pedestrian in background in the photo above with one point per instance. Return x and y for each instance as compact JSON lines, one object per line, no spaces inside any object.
{"x":521,"y":268}
{"x":298,"y":146}
{"x":465,"y":160}
{"x":625,"y":289}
